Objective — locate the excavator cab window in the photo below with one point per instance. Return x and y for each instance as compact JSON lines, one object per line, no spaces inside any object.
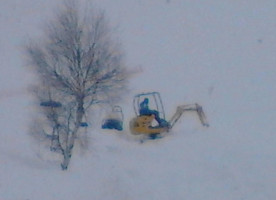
{"x":154,"y":103}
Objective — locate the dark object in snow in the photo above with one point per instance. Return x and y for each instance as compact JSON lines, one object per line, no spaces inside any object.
{"x":113,"y":124}
{"x":53,"y":104}
{"x":154,"y":136}
{"x":114,"y":120}
{"x":83,"y":124}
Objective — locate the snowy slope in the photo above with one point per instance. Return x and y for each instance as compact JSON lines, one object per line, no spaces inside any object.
{"x":220,"y":54}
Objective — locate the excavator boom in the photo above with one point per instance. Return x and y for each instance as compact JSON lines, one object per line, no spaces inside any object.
{"x":190,"y":107}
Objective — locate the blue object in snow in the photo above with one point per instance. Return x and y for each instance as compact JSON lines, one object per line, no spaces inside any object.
{"x":83,"y":124}
{"x":155,"y":136}
{"x":53,"y":104}
{"x":113,"y":124}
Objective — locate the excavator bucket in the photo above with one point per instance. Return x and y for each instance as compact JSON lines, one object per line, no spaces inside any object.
{"x":201,"y":116}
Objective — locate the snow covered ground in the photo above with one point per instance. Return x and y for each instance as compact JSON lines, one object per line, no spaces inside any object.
{"x":220,"y":54}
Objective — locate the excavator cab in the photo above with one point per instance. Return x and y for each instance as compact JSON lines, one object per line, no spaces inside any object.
{"x":155,"y":103}
{"x":114,"y":119}
{"x":146,"y":124}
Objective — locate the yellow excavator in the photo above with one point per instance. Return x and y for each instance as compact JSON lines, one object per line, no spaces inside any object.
{"x":153,"y":122}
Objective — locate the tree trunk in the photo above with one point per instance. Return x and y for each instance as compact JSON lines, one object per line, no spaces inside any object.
{"x":67,"y":153}
{"x":66,"y":158}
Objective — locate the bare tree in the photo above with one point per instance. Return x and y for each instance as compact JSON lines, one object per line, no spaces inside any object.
{"x":79,"y":64}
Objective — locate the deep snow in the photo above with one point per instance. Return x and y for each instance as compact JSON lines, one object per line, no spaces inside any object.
{"x":220,"y":54}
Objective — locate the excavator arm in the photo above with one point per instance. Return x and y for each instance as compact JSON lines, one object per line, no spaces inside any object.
{"x":190,"y":107}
